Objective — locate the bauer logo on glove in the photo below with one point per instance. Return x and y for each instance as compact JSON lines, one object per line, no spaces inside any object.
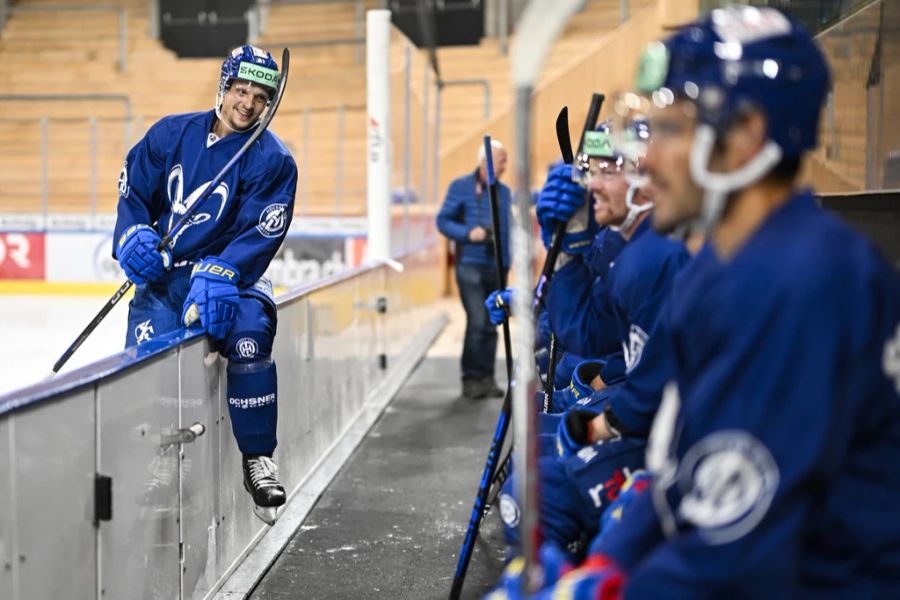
{"x":213,"y":298}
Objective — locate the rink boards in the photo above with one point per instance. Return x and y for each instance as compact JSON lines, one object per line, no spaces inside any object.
{"x":181,"y":522}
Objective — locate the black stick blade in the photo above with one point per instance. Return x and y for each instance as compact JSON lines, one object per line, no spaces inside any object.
{"x":563,"y":137}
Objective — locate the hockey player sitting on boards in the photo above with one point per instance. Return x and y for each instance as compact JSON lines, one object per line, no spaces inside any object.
{"x":212,"y":270}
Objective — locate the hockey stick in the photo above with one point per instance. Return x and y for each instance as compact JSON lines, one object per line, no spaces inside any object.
{"x":565,"y":147}
{"x":538,"y":26}
{"x":487,"y":477}
{"x":540,"y":23}
{"x":500,"y":477}
{"x":498,"y":251}
{"x":123,"y":289}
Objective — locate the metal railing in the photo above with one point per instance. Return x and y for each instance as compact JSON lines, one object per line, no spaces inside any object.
{"x":258,"y":20}
{"x":71,"y":161}
{"x":92,"y":148}
{"x":6,"y":9}
{"x":485,"y":87}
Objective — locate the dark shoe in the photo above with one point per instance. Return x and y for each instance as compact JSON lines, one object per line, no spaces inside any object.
{"x":262,"y":484}
{"x":472,"y":389}
{"x":491,"y":389}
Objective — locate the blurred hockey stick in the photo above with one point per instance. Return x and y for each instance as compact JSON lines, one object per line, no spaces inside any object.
{"x":487,"y":477}
{"x":541,"y":22}
{"x":120,"y":293}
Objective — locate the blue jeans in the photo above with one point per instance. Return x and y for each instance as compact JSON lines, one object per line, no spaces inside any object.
{"x":475,"y":283}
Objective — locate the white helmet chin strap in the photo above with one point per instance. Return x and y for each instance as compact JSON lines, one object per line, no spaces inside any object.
{"x":717,"y":186}
{"x":634,"y":210}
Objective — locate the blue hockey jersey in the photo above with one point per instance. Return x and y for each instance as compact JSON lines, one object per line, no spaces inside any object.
{"x":242,"y":222}
{"x":604,"y":250}
{"x":598,"y":317}
{"x":776,"y":455}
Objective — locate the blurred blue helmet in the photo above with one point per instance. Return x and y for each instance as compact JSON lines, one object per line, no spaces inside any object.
{"x":743,"y":57}
{"x":251,"y":64}
{"x":595,"y":144}
{"x":734,"y":60}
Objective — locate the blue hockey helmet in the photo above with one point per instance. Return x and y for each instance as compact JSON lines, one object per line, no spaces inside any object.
{"x":597,"y":143}
{"x":251,"y":64}
{"x":740,"y":57}
{"x":735,"y":59}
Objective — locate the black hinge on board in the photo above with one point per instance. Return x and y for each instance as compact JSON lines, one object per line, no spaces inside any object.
{"x":102,"y":498}
{"x":382,"y":361}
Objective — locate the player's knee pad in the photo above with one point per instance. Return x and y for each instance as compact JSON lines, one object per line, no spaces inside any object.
{"x":252,"y":334}
{"x":247,"y":346}
{"x":252,"y":404}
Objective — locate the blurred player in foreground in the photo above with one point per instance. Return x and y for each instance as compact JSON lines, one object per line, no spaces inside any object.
{"x":214,"y":266}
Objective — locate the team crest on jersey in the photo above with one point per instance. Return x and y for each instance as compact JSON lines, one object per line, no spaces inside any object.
{"x":124,"y":189}
{"x":180,"y":203}
{"x":637,"y":339}
{"x":143,"y":332}
{"x":509,"y":510}
{"x":247,"y":347}
{"x":890,"y":360}
{"x":728,"y":480}
{"x":272,"y":220}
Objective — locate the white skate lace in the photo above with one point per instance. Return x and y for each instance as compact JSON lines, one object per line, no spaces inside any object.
{"x":262,"y":472}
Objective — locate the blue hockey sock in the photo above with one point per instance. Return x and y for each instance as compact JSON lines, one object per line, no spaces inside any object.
{"x":253,"y":406}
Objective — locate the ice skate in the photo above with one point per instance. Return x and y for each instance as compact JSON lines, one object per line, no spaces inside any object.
{"x":263,"y":486}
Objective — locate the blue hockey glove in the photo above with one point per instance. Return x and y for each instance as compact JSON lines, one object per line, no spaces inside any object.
{"x":573,"y":432}
{"x":563,"y":200}
{"x":499,"y":305}
{"x":138,"y":256}
{"x":560,"y":197}
{"x":213,"y":297}
{"x":582,"y":379}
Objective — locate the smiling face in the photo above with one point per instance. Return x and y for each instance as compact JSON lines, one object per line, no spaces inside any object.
{"x":242,"y":104}
{"x":608,"y":187}
{"x":667,"y":164}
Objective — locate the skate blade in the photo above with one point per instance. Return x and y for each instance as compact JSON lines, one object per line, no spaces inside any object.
{"x":266,"y":514}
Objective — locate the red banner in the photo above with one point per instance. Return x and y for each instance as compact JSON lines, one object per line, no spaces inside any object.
{"x":21,"y":256}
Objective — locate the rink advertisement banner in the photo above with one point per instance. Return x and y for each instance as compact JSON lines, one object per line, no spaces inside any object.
{"x":304,"y":259}
{"x":86,"y":258}
{"x":313,"y":249}
{"x":82,"y":257}
{"x":21,"y":255}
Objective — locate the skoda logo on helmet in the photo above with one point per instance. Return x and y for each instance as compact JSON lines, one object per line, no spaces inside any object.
{"x":258,"y":74}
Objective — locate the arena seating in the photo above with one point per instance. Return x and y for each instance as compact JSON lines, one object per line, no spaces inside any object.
{"x":76,"y":52}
